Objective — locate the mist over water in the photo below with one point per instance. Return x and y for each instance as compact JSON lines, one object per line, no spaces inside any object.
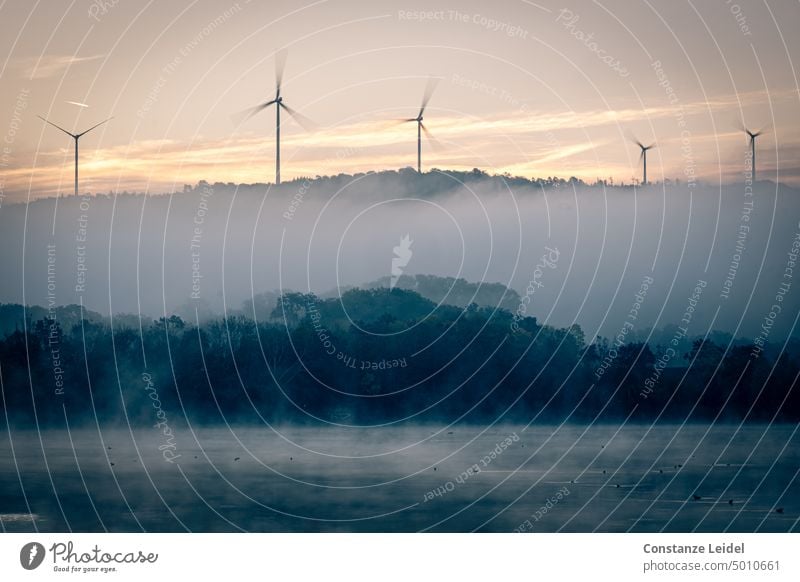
{"x":212,"y":247}
{"x":498,"y":478}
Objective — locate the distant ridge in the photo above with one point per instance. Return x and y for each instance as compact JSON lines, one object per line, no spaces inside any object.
{"x":434,"y":182}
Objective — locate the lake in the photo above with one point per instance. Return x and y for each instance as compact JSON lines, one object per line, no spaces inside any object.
{"x":503,"y":478}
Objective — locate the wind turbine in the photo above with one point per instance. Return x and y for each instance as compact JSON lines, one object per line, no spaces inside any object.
{"x":420,"y":126}
{"x":305,"y":123}
{"x":753,"y":136}
{"x":76,"y":137}
{"x":643,"y":157}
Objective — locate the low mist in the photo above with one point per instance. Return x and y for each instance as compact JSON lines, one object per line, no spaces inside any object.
{"x":208,"y":249}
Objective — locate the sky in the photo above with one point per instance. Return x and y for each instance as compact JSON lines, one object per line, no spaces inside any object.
{"x":534,"y":89}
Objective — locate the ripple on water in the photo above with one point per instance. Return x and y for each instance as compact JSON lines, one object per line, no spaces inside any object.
{"x":18,"y":517}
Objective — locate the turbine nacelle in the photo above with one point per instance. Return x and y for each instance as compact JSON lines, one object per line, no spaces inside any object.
{"x":752,"y":135}
{"x":643,"y":147}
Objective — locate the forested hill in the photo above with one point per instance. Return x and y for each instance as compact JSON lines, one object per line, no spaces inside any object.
{"x":374,"y":356}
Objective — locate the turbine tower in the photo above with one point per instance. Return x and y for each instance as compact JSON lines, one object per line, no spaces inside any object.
{"x":643,"y":157}
{"x":76,"y":137}
{"x":305,"y":123}
{"x":753,"y":136}
{"x":420,"y":126}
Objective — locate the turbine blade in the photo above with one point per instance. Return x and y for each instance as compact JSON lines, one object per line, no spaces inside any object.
{"x":72,"y":135}
{"x":744,"y":128}
{"x":94,"y":126}
{"x":630,"y":135}
{"x":641,"y":154}
{"x":437,"y":145}
{"x":242,"y":116}
{"x":301,"y":120}
{"x":280,"y":65}
{"x":429,"y":89}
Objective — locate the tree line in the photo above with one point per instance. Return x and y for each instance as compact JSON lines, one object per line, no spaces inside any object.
{"x":373,"y":356}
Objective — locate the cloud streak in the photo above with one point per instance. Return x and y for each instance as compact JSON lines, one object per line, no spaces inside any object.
{"x":48,"y":66}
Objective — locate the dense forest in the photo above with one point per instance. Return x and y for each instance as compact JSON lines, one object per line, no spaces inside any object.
{"x":373,"y":356}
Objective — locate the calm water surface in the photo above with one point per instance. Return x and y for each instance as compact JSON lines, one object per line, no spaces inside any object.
{"x":549,"y":478}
